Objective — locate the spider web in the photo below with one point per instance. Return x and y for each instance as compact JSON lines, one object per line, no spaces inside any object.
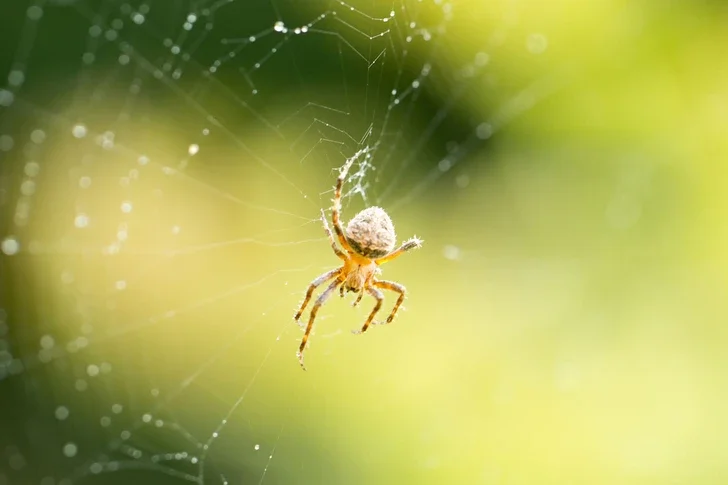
{"x":163,"y":170}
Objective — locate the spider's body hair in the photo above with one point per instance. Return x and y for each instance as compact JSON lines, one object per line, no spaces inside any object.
{"x":371,"y":233}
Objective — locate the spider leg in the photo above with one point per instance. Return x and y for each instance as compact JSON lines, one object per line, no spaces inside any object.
{"x":315,"y":283}
{"x":335,"y":216}
{"x":336,"y":249}
{"x":396,"y":287}
{"x":319,"y":301}
{"x":412,"y":243}
{"x":358,"y":298}
{"x":380,"y":298}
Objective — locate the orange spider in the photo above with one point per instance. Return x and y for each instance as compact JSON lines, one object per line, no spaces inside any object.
{"x":368,"y":243}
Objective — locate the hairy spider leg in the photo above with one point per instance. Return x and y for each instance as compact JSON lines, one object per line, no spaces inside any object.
{"x":335,"y":213}
{"x":319,"y":301}
{"x":396,"y":287}
{"x":314,"y":284}
{"x":358,"y":298}
{"x":413,"y":243}
{"x":336,"y":249}
{"x":380,"y":298}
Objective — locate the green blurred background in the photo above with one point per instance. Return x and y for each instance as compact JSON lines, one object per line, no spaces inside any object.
{"x":566,"y":317}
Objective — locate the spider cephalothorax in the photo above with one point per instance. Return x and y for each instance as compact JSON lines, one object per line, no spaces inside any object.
{"x":368,"y":242}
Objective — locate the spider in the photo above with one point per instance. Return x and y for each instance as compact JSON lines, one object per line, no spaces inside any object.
{"x":368,"y":242}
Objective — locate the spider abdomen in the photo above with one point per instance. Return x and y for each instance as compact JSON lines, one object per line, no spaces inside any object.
{"x":371,"y":233}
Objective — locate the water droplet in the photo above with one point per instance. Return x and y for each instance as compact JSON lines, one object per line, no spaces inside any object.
{"x":62,"y":413}
{"x":462,"y":181}
{"x":484,"y":131}
{"x":32,"y":169}
{"x":16,"y":78}
{"x":70,"y":450}
{"x":37,"y":136}
{"x":27,"y":188}
{"x":79,"y":131}
{"x":6,"y":97}
{"x":81,"y":221}
{"x":279,"y":26}
{"x":47,"y":342}
{"x":126,"y":207}
{"x":34,"y":12}
{"x":256,"y":447}
{"x":10,"y":246}
{"x":193,"y":149}
{"x":6,"y":141}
